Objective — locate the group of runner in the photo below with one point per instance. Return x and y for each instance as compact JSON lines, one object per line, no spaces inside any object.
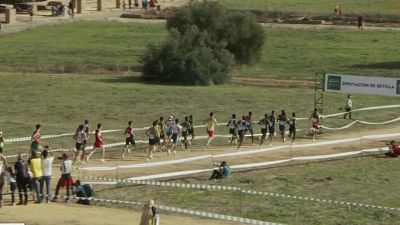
{"x":165,"y":134}
{"x":239,"y":128}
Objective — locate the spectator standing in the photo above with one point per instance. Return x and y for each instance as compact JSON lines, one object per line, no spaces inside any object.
{"x":1,"y":142}
{"x":65,"y":179}
{"x":360,"y":21}
{"x":348,"y":106}
{"x":47,"y":162}
{"x":22,"y":178}
{"x":3,"y":165}
{"x":35,"y":166}
{"x":150,"y":214}
{"x":71,"y":9}
{"x":12,"y":182}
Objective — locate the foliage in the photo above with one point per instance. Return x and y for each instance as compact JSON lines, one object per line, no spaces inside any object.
{"x":243,"y":35}
{"x":190,"y":58}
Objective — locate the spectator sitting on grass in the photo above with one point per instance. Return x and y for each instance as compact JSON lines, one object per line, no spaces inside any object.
{"x":223,"y":171}
{"x":83,"y":192}
{"x":393,"y":149}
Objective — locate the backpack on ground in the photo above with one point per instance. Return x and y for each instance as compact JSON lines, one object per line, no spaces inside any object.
{"x":88,"y":189}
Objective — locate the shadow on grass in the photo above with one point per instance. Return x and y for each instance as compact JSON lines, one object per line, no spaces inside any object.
{"x":122,"y":79}
{"x":383,"y":65}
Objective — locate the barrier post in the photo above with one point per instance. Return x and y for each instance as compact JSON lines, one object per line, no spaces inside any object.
{"x":10,"y":15}
{"x":99,"y":6}
{"x":80,"y":6}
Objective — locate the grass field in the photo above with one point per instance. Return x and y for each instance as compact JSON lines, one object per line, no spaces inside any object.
{"x":319,"y":6}
{"x":99,"y":47}
{"x":368,"y":180}
{"x":61,"y":102}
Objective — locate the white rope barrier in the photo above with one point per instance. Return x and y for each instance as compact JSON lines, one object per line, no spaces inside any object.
{"x":189,"y":212}
{"x":234,"y":189}
{"x":240,"y":153}
{"x":258,"y":165}
{"x":362,"y":122}
{"x":21,"y":139}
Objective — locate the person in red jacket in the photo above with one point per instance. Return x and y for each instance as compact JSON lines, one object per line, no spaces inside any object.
{"x":393,"y":149}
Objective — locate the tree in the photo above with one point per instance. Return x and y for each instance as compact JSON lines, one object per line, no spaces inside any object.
{"x":204,"y":41}
{"x":189,"y":58}
{"x":244,"y":37}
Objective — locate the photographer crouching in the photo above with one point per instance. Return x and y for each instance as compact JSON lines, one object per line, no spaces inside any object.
{"x":393,"y":149}
{"x":223,"y":171}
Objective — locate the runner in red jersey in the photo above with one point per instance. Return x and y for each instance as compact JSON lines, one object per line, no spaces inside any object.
{"x":98,"y":144}
{"x":211,"y":122}
{"x":129,"y":140}
{"x":315,"y":122}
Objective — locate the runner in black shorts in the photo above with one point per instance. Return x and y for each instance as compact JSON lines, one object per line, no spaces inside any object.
{"x":185,"y":128}
{"x":161,"y":129}
{"x":292,"y":127}
{"x":271,"y":128}
{"x":241,"y":124}
{"x":282,"y":123}
{"x":264,"y":123}
{"x":176,"y":129}
{"x":249,"y":125}
{"x":232,"y":124}
{"x":191,"y":131}
{"x":129,"y":140}
{"x":152,"y":133}
{"x":86,"y":128}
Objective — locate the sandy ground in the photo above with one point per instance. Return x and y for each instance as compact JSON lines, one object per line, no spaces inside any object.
{"x":57,"y":213}
{"x":73,"y":214}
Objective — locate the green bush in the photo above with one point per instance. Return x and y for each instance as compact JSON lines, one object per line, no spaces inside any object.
{"x":205,"y":40}
{"x":243,"y":35}
{"x":191,"y":58}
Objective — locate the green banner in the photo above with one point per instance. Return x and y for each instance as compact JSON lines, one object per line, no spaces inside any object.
{"x":334,"y":83}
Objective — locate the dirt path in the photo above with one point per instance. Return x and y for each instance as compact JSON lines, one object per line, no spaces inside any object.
{"x":73,"y":214}
{"x":43,"y":18}
{"x":327,"y":26}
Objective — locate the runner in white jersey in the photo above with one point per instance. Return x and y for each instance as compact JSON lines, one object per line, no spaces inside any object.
{"x":176,"y":129}
{"x":168,"y":128}
{"x":80,"y":138}
{"x":232,"y":124}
